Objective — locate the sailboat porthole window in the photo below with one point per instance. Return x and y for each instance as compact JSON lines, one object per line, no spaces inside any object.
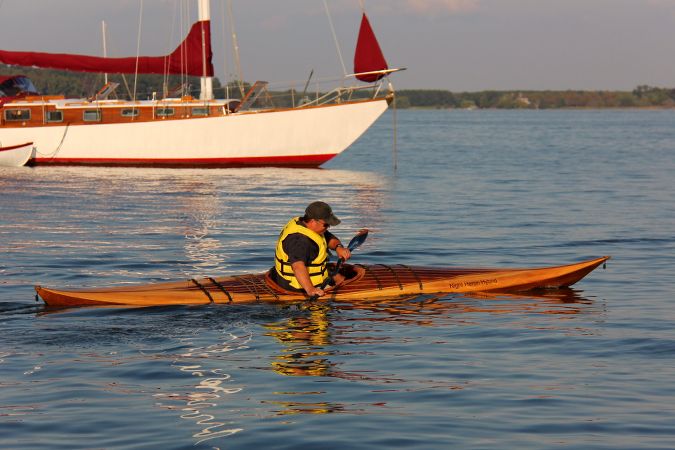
{"x":15,"y":115}
{"x":200,"y":111}
{"x":164,"y":112}
{"x":91,"y":115}
{"x":54,"y":116}
{"x":130,"y":112}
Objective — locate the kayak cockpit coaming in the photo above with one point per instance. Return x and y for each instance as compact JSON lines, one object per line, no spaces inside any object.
{"x":351,"y":273}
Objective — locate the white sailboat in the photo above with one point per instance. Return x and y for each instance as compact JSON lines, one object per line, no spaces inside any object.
{"x":187,"y":131}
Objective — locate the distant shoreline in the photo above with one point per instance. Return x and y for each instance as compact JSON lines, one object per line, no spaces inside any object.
{"x":642,"y":97}
{"x":579,"y":108}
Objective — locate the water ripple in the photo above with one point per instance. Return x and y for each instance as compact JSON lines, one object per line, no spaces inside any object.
{"x":585,"y":368}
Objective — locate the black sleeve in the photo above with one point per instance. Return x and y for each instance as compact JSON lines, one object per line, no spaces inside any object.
{"x":298,"y":247}
{"x":328,"y":235}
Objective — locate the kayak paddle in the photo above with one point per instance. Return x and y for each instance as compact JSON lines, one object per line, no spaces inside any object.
{"x":355,"y":243}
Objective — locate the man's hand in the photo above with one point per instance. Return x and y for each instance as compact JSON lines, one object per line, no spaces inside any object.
{"x":315,"y":291}
{"x":343,"y":253}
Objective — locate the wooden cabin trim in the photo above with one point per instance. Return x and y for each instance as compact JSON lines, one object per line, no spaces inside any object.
{"x":110,"y":111}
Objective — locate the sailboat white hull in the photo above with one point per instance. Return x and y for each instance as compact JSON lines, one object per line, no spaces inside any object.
{"x":16,"y":155}
{"x":293,"y":137}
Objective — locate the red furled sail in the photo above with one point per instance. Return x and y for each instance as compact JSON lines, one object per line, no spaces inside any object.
{"x":185,"y":59}
{"x":368,"y":56}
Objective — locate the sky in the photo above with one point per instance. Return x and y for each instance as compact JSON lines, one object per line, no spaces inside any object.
{"x":456,"y":45}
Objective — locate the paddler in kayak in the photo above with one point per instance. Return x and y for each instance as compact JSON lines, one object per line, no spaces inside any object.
{"x":300,"y":262}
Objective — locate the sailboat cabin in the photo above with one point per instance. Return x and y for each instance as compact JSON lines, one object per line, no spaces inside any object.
{"x":23,"y":106}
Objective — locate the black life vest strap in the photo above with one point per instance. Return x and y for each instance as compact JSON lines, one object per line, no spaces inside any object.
{"x":284,"y":264}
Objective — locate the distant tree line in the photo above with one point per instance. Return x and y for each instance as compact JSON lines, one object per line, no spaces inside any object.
{"x":641,"y":97}
{"x":82,"y":85}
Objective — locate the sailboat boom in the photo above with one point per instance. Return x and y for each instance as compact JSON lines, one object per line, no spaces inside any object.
{"x":377,"y":72}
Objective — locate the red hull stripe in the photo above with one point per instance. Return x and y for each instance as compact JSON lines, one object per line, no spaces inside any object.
{"x":291,"y":161}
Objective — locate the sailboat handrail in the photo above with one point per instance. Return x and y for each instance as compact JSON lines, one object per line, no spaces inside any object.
{"x":337,"y":92}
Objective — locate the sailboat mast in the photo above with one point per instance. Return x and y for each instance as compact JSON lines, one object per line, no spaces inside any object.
{"x":206,"y":92}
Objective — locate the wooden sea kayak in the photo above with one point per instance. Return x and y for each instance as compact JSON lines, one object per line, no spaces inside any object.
{"x":364,"y":283}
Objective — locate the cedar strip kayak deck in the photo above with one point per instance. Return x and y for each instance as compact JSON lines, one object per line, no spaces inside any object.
{"x":364,"y":283}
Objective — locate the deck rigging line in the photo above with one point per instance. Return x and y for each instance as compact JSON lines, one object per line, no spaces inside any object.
{"x":243,"y":282}
{"x":222,"y":288}
{"x":255,"y":285}
{"x":414,"y":274}
{"x":393,"y":272}
{"x":202,"y":288}
{"x":260,"y":283}
{"x":370,"y":271}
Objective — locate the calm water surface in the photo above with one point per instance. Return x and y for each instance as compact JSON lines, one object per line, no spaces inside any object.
{"x":585,"y":368}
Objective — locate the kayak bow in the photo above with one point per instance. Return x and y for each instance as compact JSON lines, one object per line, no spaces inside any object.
{"x":364,"y":283}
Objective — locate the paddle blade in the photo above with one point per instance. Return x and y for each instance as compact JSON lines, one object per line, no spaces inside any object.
{"x":357,"y":240}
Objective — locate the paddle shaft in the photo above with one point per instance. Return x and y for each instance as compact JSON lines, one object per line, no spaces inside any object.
{"x":355,"y":243}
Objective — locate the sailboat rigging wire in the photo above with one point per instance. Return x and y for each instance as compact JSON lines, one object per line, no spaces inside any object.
{"x":138,"y":48}
{"x":165,"y":79}
{"x":227,"y":78}
{"x":335,"y":39}
{"x":126,"y":85}
{"x":235,"y":46}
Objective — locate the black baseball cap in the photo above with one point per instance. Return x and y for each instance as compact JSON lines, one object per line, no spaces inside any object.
{"x":322,"y":211}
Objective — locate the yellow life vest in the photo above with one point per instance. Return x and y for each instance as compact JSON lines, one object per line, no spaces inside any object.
{"x":318,"y":272}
